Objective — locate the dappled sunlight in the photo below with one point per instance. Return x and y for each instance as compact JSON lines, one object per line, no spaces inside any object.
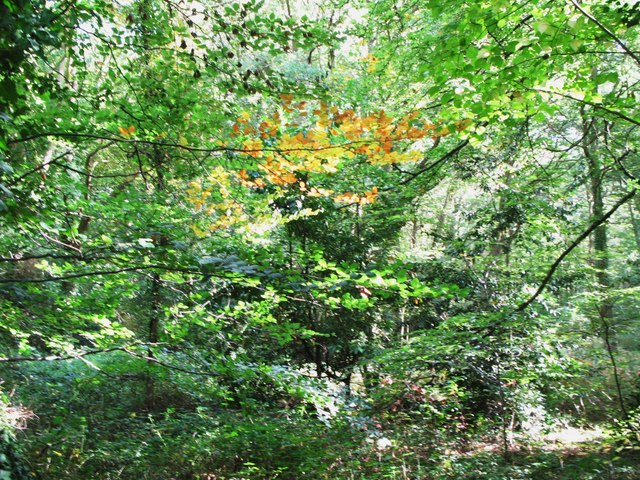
{"x":319,"y":240}
{"x":572,"y":436}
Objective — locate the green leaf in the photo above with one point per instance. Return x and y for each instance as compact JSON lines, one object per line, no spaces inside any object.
{"x":146,"y":243}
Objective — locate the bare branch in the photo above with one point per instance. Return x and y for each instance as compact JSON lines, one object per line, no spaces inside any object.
{"x":53,"y":358}
{"x":56,"y":256}
{"x":438,"y":162}
{"x":627,"y":173}
{"x":552,"y":270}
{"x":38,"y":168}
{"x":170,"y":366}
{"x":100,"y":272}
{"x":596,"y":106}
{"x":602,"y":27}
{"x":126,"y":349}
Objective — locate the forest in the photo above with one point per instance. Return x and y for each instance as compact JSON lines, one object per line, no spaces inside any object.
{"x":319,"y":239}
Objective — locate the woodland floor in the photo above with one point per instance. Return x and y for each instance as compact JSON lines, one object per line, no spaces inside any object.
{"x":568,"y":454}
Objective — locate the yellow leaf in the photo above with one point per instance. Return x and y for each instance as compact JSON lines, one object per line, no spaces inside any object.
{"x":127,"y":131}
{"x":198,"y":232}
{"x":253,"y":147}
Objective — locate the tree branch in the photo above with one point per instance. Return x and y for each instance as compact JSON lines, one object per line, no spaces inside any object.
{"x":38,"y":168}
{"x":92,"y":175}
{"x":602,"y":27}
{"x":438,"y":162}
{"x":126,"y":349}
{"x":93,"y":136}
{"x":137,"y":141}
{"x":49,"y":255}
{"x":627,"y":173}
{"x":552,"y":270}
{"x":52,"y":358}
{"x":594,"y":105}
{"x":98,"y":273}
{"x":170,"y":366}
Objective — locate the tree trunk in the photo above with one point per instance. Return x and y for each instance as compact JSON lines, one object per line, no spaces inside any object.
{"x":634,"y":208}
{"x":600,"y":260}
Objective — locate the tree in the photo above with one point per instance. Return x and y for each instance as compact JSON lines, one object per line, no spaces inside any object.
{"x":288,"y":233}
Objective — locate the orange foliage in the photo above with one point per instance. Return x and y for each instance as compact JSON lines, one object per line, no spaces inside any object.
{"x":331,"y":138}
{"x":365,"y":198}
{"x":288,"y":155}
{"x":127,"y":131}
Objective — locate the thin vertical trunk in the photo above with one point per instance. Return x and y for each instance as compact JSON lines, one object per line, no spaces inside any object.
{"x":634,"y":208}
{"x":503,"y":238}
{"x":413,"y":235}
{"x":600,"y":260}
{"x":153,"y":337}
{"x":318,"y":361}
{"x":155,"y":311}
{"x":156,"y":159}
{"x":439,"y":231}
{"x":405,"y":329}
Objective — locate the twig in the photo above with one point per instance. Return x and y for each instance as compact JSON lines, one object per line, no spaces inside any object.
{"x":38,"y":168}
